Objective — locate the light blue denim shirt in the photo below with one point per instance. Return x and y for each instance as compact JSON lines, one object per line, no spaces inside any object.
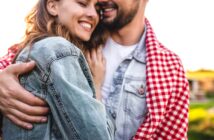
{"x":62,"y":78}
{"x":127,"y":99}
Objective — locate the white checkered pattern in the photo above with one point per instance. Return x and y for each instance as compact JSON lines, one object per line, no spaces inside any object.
{"x":167,"y":94}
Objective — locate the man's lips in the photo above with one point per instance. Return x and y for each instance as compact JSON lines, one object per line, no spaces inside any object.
{"x":107,"y":5}
{"x":107,"y":8}
{"x":108,"y":11}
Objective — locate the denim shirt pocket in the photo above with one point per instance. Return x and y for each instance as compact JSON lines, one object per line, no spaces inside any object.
{"x":135,"y":99}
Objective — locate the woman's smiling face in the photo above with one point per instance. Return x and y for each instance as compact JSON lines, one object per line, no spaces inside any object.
{"x":79,"y":16}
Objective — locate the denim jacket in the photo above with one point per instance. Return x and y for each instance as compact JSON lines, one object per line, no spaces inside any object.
{"x":126,"y":102}
{"x":62,"y":78}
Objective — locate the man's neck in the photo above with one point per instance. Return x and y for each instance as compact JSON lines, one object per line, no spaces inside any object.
{"x":129,"y":34}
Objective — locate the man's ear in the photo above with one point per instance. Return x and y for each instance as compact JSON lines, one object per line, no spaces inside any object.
{"x":52,"y":7}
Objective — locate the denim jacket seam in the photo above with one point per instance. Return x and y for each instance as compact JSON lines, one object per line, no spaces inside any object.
{"x":46,"y":74}
{"x":46,"y":79}
{"x":66,"y":116}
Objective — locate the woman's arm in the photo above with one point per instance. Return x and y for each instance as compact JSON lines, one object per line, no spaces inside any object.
{"x":76,"y":100}
{"x":20,"y":106}
{"x":63,"y":79}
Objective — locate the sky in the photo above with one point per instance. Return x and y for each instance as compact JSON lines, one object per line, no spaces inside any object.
{"x":184,"y":26}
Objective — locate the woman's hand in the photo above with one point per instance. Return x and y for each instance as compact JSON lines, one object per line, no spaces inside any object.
{"x":17,"y":104}
{"x":97,"y":66}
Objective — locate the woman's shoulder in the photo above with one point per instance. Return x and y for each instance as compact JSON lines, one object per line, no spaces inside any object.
{"x":54,"y":48}
{"x":55,"y":44}
{"x":53,"y":39}
{"x":49,"y":49}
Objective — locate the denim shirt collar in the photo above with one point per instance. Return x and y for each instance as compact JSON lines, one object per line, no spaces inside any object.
{"x":140,"y":52}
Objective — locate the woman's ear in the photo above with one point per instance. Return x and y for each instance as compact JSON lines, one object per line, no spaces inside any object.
{"x":52,"y":7}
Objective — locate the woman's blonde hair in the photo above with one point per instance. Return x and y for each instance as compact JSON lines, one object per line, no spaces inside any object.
{"x":41,"y":24}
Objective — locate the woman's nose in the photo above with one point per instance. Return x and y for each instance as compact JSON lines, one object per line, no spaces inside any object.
{"x":92,"y":12}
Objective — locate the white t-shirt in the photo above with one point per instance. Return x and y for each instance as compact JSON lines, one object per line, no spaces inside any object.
{"x":114,"y":54}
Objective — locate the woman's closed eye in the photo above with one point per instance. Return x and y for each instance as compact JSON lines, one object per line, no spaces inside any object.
{"x":82,"y":3}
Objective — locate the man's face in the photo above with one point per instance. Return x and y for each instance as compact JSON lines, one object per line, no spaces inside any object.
{"x":118,"y":13}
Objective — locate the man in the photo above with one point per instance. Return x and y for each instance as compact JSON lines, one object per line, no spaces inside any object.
{"x":145,"y":89}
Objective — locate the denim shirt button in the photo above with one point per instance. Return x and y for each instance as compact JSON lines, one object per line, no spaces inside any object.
{"x":141,"y":90}
{"x":114,"y":115}
{"x":132,"y":138}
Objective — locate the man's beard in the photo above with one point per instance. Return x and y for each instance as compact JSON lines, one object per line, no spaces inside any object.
{"x":122,"y":18}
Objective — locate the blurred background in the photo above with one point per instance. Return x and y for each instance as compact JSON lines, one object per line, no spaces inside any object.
{"x":184,"y":26}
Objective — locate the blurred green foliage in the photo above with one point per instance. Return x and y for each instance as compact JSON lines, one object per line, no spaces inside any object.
{"x":210,"y":95}
{"x":201,"y":120}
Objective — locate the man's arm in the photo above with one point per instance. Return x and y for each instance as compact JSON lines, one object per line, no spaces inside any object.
{"x":8,"y":58}
{"x":20,"y":106}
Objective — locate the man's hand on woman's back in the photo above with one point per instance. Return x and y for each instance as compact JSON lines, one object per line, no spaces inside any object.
{"x":17,"y":104}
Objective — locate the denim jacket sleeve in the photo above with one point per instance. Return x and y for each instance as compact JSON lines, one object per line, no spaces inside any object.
{"x":63,"y":79}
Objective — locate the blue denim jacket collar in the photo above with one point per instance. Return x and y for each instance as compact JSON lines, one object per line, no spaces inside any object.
{"x":139,"y":53}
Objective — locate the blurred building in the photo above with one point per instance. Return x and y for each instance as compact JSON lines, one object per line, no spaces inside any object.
{"x":201,"y":82}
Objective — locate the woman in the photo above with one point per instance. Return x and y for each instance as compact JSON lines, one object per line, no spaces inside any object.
{"x":62,"y":77}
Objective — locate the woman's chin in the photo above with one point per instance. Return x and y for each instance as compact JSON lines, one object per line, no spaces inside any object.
{"x":85,"y":38}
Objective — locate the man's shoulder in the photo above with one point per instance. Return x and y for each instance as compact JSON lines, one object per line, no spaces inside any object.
{"x":156,"y":49}
{"x":167,"y":56}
